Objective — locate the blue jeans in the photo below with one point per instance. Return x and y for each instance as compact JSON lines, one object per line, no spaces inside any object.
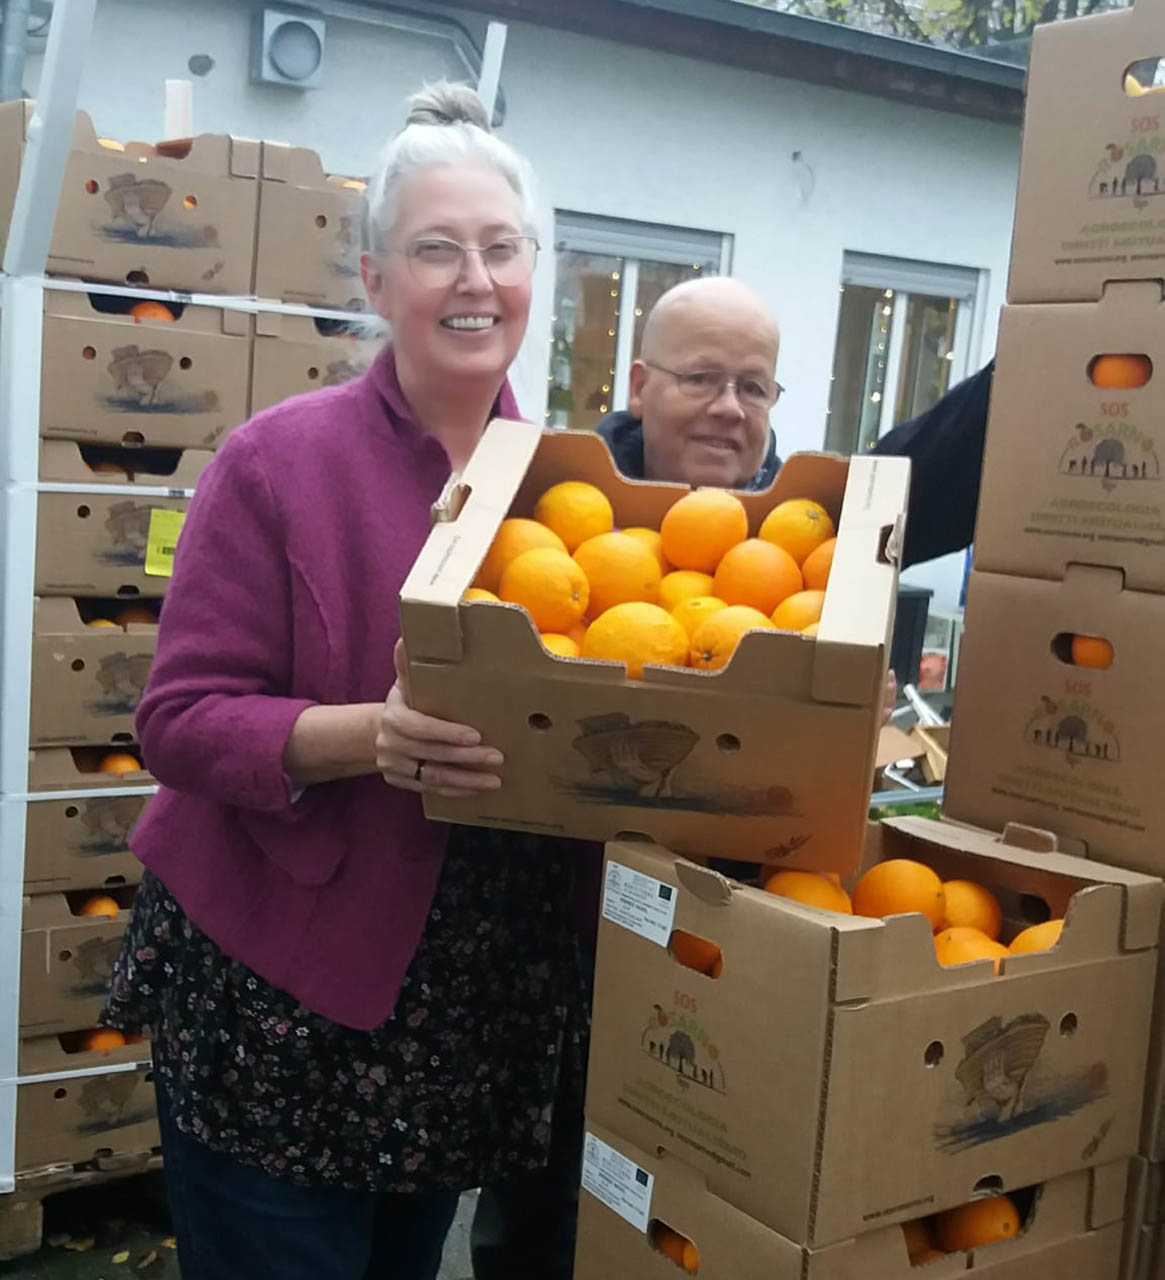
{"x":234,"y":1222}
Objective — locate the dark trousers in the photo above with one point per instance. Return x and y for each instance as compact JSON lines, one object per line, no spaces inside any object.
{"x":235,"y":1222}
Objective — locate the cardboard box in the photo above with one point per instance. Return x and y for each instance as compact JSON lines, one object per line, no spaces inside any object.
{"x":1091,"y":202}
{"x":1040,"y":741}
{"x":95,"y":545}
{"x":1071,"y":1232}
{"x":66,"y":964}
{"x":1143,"y":1214}
{"x":294,"y":354}
{"x":52,"y":1055}
{"x":176,"y":215}
{"x":1072,"y":472}
{"x":77,"y":769}
{"x":834,"y":1078}
{"x":81,"y":844}
{"x":772,"y":756}
{"x":108,"y":378}
{"x":311,"y":228}
{"x":75,"y":1121}
{"x":86,"y":681}
{"x":64,"y":462}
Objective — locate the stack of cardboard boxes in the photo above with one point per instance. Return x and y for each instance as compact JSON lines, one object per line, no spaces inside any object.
{"x":135,"y":394}
{"x":1071,"y":534}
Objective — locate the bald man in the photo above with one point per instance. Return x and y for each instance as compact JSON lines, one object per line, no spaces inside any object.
{"x":704,"y":385}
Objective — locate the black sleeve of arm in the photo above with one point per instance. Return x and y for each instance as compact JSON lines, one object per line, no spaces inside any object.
{"x":945,"y":447}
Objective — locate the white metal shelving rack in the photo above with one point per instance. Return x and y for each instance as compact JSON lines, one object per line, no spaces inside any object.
{"x":22,"y":289}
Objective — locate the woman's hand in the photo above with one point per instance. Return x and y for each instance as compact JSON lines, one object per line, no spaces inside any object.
{"x":418,"y":753}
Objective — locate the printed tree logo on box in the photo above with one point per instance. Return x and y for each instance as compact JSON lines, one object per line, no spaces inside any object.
{"x":136,"y":207}
{"x":138,"y":381}
{"x":999,"y":1087}
{"x":1131,"y":170}
{"x":349,"y":238}
{"x":108,"y":822}
{"x":1111,"y":453}
{"x":640,"y":764}
{"x":122,"y":680}
{"x":128,"y":526}
{"x":1073,"y":727}
{"x":94,"y":960}
{"x":679,"y":1044}
{"x":114,"y":1101}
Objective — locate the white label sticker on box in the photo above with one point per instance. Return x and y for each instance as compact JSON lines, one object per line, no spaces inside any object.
{"x":640,"y":903}
{"x":617,"y":1182}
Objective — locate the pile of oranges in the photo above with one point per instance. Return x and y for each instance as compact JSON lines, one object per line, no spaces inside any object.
{"x":965,"y":917}
{"x":681,"y":595}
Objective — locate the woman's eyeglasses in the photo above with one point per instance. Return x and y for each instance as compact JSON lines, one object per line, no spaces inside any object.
{"x":436,"y":263}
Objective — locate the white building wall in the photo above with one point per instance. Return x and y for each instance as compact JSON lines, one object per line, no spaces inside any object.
{"x":623,"y":131}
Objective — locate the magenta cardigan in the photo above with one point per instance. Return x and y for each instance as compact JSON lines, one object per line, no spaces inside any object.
{"x":285,"y":594}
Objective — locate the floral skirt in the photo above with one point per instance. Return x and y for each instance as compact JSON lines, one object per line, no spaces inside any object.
{"x":456,"y":1089}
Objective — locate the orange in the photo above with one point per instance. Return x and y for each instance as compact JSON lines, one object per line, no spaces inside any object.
{"x":676,"y":1247}
{"x":1040,"y":937}
{"x":636,"y":634}
{"x":101,"y":622}
{"x":918,"y":1238}
{"x":818,"y":564}
{"x":99,"y":904}
{"x":619,"y":570}
{"x":151,"y":311}
{"x":810,"y":888}
{"x":653,"y":541}
{"x":969,"y":904}
{"x":478,"y":593}
{"x":577,"y":633}
{"x":1122,"y":371}
{"x":799,"y":525}
{"x":549,"y":586}
{"x":701,"y":527}
{"x":513,"y":537}
{"x":758,"y":574}
{"x":681,"y":585}
{"x":715,"y":639}
{"x":800,"y":610}
{"x":575,"y":511}
{"x":1091,"y":651}
{"x":810,"y":630}
{"x":119,"y":762}
{"x":691,"y":612}
{"x":898,"y":886}
{"x":979,"y":1222}
{"x":926,"y":1255}
{"x":136,"y":613}
{"x":102,"y":1039}
{"x":562,"y":646}
{"x":108,"y":468}
{"x":698,"y":953}
{"x":962,"y":944}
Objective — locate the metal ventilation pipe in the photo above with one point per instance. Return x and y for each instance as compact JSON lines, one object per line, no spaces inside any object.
{"x":13,"y":44}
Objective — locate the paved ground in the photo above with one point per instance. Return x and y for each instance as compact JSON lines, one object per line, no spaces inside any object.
{"x":120,"y":1232}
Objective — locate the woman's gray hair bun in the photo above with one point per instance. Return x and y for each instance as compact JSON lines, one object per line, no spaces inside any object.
{"x":446,"y":103}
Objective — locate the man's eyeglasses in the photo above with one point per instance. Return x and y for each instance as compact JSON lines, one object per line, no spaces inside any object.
{"x":436,"y":263}
{"x":708,"y":384}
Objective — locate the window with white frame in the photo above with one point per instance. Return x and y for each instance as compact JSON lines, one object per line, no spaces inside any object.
{"x":609,"y":273}
{"x":904,"y":336}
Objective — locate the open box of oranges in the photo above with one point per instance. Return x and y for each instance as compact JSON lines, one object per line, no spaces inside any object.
{"x":826,"y":1072}
{"x":639,"y":652}
{"x":647,"y":1214}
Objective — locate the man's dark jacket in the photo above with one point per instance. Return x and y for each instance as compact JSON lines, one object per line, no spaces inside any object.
{"x":944,"y":445}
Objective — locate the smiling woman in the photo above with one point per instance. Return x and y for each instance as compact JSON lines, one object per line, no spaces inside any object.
{"x":355,"y":1013}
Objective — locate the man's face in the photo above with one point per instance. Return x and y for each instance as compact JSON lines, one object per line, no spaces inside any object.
{"x":714,"y":440}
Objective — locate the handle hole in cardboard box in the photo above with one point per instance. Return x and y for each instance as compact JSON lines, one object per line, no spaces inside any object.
{"x":1120,"y":371}
{"x":84,"y":511}
{"x":539,"y":722}
{"x":1068,"y":1024}
{"x":313,"y":373}
{"x":64,"y":956}
{"x":111,"y":304}
{"x":60,"y":1094}
{"x":673,"y":1244}
{"x":933,"y":1054}
{"x":185,"y":363}
{"x":1140,"y":77}
{"x":138,"y":277}
{"x":697,"y":953}
{"x":1033,"y":909}
{"x":71,"y":811}
{"x":91,"y":187}
{"x":88,"y":353}
{"x":729,"y":743}
{"x":128,"y":590}
{"x":991,"y":1184}
{"x":1076,"y":650}
{"x":321,"y":221}
{"x":78,"y":664}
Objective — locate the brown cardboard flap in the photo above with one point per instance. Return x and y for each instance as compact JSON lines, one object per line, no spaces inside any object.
{"x":46,"y":1055}
{"x":302,"y":166}
{"x":61,"y":461}
{"x":55,"y":769}
{"x":71,"y":304}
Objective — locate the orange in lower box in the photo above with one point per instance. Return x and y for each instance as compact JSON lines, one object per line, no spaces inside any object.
{"x":833,"y":1077}
{"x":635,"y":1201}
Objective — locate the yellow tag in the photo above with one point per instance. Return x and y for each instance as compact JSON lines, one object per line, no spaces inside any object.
{"x":162,"y":538}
